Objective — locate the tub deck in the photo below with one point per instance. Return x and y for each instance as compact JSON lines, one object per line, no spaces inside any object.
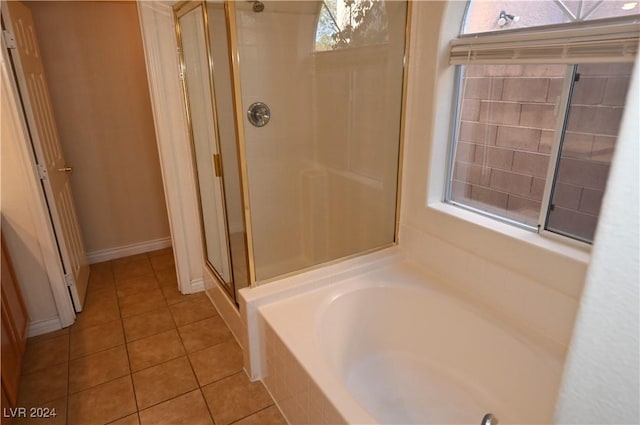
{"x":388,"y":345}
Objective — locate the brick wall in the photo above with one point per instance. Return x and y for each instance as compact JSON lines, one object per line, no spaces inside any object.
{"x":506,"y":131}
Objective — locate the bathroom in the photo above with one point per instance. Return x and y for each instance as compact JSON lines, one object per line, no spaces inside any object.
{"x":532,"y":282}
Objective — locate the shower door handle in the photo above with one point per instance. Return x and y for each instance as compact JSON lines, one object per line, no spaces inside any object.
{"x":258,"y":114}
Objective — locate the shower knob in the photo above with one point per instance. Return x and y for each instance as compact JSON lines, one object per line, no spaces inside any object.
{"x":258,"y":114}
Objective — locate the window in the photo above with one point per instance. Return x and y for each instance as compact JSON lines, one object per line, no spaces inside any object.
{"x":351,"y":23}
{"x":538,"y":110}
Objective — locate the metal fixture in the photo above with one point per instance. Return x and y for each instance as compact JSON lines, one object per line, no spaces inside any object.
{"x":489,"y":419}
{"x":504,"y":18}
{"x":258,"y":114}
{"x":258,"y":6}
{"x":66,"y":170}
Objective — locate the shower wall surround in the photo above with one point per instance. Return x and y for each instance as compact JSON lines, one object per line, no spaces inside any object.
{"x":322,"y":173}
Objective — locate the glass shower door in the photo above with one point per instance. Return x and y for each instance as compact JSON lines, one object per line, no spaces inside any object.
{"x":198,"y":88}
{"x":322,"y":173}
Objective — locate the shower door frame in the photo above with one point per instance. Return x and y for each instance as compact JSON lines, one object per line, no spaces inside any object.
{"x":230,"y":7}
{"x":158,"y":33}
{"x":180,"y":9}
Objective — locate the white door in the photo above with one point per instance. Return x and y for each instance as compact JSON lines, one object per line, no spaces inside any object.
{"x":53,"y":170}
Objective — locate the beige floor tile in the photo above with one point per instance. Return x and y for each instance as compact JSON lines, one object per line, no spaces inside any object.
{"x":205,"y":333}
{"x":97,"y":313}
{"x":98,"y":368}
{"x":100,"y":274}
{"x":162,"y":261}
{"x":101,"y":285}
{"x":136,"y":285}
{"x":269,"y":416}
{"x":141,"y":302}
{"x":127,"y":420}
{"x":188,"y":409}
{"x":217,"y":362}
{"x":164,"y":381}
{"x":192,"y":310}
{"x":54,"y":334}
{"x":167,"y":277}
{"x":171,"y":294}
{"x":90,"y":340}
{"x":132,"y":267}
{"x":97,"y":297}
{"x":235,"y":397}
{"x":46,"y":385}
{"x":52,"y":413}
{"x":45,"y":353}
{"x":102,"y":404}
{"x":147,"y":324}
{"x":154,"y":350}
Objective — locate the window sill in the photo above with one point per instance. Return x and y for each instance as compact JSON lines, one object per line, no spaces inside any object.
{"x":548,"y":241}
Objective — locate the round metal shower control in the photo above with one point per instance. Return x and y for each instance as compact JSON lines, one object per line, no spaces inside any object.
{"x":258,"y":114}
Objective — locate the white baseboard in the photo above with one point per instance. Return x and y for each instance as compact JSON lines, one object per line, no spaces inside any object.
{"x":40,"y":327}
{"x":127,"y":250}
{"x":196,"y":285}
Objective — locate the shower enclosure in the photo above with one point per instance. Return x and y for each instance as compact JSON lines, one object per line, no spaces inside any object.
{"x":297,"y":139}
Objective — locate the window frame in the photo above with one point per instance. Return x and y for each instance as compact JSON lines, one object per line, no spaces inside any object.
{"x":588,"y":30}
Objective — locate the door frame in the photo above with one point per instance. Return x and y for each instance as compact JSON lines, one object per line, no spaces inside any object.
{"x":157,"y":28}
{"x":45,"y":231}
{"x":172,"y":135}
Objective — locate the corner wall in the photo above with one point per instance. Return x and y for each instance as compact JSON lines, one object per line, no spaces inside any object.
{"x":601,"y":382}
{"x":92,"y":54}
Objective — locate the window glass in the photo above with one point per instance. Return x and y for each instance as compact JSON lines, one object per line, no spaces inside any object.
{"x":595,"y":112}
{"x":506,"y":130}
{"x":496,"y":15}
{"x":351,"y":23}
{"x":538,"y":117}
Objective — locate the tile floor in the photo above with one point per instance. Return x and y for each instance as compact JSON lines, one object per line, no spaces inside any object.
{"x":142,"y":353}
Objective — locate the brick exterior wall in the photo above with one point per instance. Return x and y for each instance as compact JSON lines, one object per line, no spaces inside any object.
{"x":507,"y":127}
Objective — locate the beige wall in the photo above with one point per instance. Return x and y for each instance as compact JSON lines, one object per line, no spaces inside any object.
{"x":93,"y":57}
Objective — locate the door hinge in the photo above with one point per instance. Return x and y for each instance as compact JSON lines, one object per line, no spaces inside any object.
{"x":9,"y":40}
{"x":576,"y":78}
{"x":42,"y":171}
{"x":68,"y":278}
{"x":217,"y":165}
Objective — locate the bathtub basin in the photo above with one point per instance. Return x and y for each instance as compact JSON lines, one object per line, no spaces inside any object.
{"x":391,"y":347}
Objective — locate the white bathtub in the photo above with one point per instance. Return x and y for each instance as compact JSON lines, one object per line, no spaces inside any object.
{"x":388,"y":346}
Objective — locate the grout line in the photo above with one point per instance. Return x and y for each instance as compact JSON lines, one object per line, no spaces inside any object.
{"x":220,"y":379}
{"x":126,"y":349}
{"x":66,"y":416}
{"x":97,"y":385}
{"x":253,"y":413}
{"x":206,"y":403}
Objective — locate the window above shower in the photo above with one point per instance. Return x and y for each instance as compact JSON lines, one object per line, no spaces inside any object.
{"x":351,"y":23}
{"x":541,"y":88}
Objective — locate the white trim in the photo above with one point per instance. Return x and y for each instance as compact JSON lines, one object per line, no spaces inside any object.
{"x":197,"y":285}
{"x":127,"y":250}
{"x":44,"y":326}
{"x":225,"y":307}
{"x":160,"y":47}
{"x":569,"y":43}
